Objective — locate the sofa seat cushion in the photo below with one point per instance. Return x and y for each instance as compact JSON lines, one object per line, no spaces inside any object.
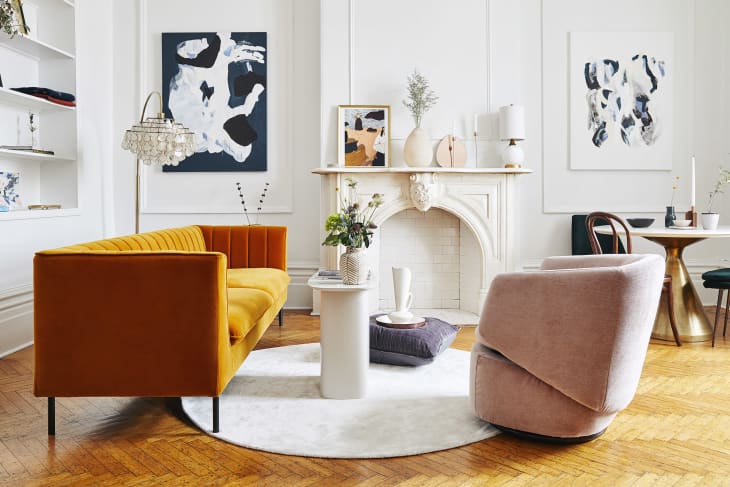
{"x":245,"y":308}
{"x":272,"y":281}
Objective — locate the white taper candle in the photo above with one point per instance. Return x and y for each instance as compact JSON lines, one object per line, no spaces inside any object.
{"x":692,"y":203}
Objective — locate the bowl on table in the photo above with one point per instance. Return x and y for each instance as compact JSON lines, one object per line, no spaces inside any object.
{"x":640,"y":222}
{"x":682,"y":223}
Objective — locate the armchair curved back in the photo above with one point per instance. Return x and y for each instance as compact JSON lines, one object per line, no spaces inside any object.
{"x":585,"y":328}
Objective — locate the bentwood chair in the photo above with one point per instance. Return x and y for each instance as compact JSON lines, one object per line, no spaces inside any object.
{"x":599,"y":217}
{"x":718,"y":279}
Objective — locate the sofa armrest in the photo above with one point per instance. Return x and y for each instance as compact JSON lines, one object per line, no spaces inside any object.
{"x":129,"y":323}
{"x":564,"y":325}
{"x":248,"y":246}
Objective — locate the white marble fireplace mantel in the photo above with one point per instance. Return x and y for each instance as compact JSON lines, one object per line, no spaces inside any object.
{"x":484,"y":199}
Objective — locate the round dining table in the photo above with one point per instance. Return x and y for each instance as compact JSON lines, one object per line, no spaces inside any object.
{"x":689,"y":312}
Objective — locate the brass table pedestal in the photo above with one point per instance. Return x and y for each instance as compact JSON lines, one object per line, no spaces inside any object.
{"x":689,"y":313}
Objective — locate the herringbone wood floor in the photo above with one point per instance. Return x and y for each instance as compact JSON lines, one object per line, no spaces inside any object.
{"x":674,"y":433}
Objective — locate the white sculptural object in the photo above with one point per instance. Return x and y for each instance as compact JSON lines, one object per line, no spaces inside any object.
{"x":403,"y":295}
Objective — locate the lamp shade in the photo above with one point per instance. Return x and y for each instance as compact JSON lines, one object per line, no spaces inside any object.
{"x":159,"y":140}
{"x":512,"y":122}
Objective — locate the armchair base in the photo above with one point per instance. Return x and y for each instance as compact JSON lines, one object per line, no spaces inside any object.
{"x":556,"y":440}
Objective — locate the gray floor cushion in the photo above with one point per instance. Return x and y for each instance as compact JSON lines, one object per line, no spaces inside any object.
{"x":416,"y":346}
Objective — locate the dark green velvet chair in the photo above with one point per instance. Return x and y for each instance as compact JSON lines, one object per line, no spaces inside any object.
{"x":718,"y":279}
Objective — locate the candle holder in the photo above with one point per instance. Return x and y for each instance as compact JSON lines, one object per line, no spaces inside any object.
{"x":476,"y":150}
{"x":691,"y":214}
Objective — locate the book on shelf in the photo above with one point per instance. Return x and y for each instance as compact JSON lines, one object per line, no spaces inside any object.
{"x":329,"y":274}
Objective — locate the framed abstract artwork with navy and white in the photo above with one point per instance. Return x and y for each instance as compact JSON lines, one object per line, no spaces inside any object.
{"x":621,"y":100}
{"x":214,"y":83}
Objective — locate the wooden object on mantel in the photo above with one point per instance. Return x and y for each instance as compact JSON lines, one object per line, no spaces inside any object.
{"x":429,"y":169}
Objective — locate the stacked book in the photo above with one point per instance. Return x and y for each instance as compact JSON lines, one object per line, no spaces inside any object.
{"x":328,"y":275}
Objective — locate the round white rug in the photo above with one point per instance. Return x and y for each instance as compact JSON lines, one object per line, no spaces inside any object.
{"x":273,"y":404}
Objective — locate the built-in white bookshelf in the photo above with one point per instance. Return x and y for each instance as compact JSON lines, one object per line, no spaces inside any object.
{"x":44,"y":57}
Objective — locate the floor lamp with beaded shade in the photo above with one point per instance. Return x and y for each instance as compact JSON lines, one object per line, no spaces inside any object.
{"x":156,"y":140}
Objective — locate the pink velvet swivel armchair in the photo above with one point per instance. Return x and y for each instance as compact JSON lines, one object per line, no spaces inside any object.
{"x":560,"y":351}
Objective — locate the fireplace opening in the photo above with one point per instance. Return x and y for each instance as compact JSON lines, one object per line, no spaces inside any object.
{"x":444,"y":258}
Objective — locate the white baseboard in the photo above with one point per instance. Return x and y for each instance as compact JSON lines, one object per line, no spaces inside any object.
{"x":16,"y":319}
{"x":300,"y":294}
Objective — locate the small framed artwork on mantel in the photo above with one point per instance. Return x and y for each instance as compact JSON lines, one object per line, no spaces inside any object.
{"x":363,"y":135}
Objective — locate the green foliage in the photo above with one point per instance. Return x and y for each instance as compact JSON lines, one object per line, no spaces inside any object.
{"x":722,"y":179}
{"x":353,"y":225}
{"x":420,"y":96}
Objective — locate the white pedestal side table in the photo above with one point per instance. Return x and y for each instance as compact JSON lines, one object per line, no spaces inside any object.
{"x":344,"y":338}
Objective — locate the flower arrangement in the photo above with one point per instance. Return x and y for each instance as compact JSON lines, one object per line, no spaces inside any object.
{"x":420,"y":96}
{"x":674,"y":189}
{"x":722,"y":179}
{"x":353,"y":225}
{"x":262,"y":197}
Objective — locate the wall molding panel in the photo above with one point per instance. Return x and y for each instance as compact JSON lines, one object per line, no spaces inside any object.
{"x":16,"y":319}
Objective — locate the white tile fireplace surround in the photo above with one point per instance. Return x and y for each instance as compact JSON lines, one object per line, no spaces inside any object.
{"x":454,"y":228}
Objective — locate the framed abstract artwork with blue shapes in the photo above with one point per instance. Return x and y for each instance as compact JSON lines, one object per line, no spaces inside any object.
{"x":621,"y":100}
{"x":214,"y":83}
{"x":9,"y":197}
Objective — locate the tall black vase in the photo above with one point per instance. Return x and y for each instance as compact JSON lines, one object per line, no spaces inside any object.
{"x":669,"y":217}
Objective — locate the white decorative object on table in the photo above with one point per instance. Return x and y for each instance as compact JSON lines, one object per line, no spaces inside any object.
{"x":512,"y":128}
{"x":403,"y":295}
{"x":710,"y":220}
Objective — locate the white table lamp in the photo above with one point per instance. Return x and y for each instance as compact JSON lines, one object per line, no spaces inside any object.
{"x":512,"y":128}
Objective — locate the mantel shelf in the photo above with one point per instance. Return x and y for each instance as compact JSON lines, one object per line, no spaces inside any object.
{"x":429,"y":169}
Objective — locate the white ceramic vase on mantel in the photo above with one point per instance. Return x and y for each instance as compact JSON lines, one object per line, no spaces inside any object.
{"x":417,"y":151}
{"x":710,"y":220}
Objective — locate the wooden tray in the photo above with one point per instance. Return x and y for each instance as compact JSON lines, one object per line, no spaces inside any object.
{"x":416,"y":322}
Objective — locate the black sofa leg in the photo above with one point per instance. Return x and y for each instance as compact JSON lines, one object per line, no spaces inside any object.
{"x":281,"y":316}
{"x":216,"y":414}
{"x":51,"y":416}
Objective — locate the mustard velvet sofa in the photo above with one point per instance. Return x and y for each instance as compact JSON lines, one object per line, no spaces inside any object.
{"x":167,"y":313}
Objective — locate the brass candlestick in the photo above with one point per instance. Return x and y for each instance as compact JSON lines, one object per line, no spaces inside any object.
{"x":691,"y":215}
